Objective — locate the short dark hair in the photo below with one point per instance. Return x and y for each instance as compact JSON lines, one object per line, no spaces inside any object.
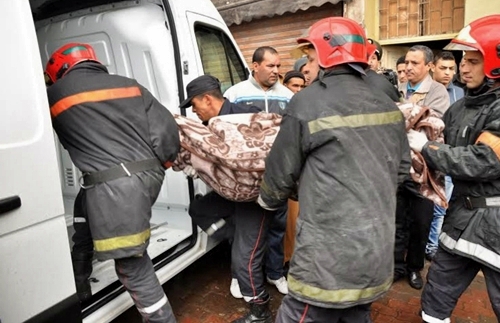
{"x":216,"y":93}
{"x":291,"y":74}
{"x":445,"y":56}
{"x":401,"y":60}
{"x":428,"y":54}
{"x":258,"y":55}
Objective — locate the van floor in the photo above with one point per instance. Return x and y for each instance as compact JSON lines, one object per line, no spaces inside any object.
{"x":167,"y":230}
{"x":200,"y":294}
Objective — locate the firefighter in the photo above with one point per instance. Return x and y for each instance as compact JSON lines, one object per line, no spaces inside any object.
{"x":346,"y":143}
{"x":122,"y":140}
{"x":469,"y":241}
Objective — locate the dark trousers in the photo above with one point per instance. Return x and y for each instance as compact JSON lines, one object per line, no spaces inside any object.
{"x":275,"y":257}
{"x":135,"y":273}
{"x":209,"y":209}
{"x":294,"y":311}
{"x":138,"y":277}
{"x":448,"y":277}
{"x":249,"y":240}
{"x":413,"y":221}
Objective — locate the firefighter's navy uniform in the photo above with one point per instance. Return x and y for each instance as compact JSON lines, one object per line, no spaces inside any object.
{"x":469,"y":241}
{"x":122,"y":139}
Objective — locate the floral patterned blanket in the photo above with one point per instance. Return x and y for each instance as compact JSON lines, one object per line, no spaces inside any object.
{"x":228,"y":154}
{"x":431,"y":182}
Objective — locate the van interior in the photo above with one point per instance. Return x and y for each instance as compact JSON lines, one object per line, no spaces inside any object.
{"x":163,"y":45}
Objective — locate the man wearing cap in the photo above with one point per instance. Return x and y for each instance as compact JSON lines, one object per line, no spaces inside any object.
{"x":294,"y":81}
{"x":301,"y":66}
{"x":263,"y":90}
{"x":250,"y":220}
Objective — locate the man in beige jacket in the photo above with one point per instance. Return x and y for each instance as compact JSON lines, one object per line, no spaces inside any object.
{"x":414,"y":213}
{"x":420,"y":87}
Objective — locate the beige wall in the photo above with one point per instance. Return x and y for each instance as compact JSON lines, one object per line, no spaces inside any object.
{"x":478,"y":8}
{"x":355,"y":10}
{"x":363,"y":11}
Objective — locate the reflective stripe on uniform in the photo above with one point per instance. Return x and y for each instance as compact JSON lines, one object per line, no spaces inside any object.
{"x":473,"y":249}
{"x":79,"y":220}
{"x":115,"y":243}
{"x":354,"y":121}
{"x":429,"y":319}
{"x":339,"y":295}
{"x":447,"y":241}
{"x":93,"y":96}
{"x":155,"y":307}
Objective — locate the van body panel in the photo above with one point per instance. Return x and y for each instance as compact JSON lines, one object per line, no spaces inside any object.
{"x":161,"y":45}
{"x":34,"y":247}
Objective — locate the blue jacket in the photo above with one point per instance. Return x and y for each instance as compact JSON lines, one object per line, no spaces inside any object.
{"x":455,"y":93}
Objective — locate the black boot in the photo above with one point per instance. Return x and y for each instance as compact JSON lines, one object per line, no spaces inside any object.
{"x":259,"y":312}
{"x":82,"y":268}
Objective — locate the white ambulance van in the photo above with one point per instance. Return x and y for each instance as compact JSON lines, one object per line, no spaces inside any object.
{"x":163,"y":44}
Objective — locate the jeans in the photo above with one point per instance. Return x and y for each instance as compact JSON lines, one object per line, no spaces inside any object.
{"x":437,"y":221}
{"x":275,"y":253}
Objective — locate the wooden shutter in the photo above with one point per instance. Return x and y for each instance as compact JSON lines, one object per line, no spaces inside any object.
{"x":414,"y":18}
{"x":280,"y":32}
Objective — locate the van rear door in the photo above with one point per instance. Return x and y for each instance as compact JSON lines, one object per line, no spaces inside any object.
{"x":34,"y":248}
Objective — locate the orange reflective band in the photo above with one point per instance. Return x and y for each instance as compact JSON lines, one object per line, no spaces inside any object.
{"x":433,"y":147}
{"x":93,"y":96}
{"x":490,"y":140}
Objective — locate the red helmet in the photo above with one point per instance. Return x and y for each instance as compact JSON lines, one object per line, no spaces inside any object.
{"x":483,"y":35}
{"x":65,"y":58}
{"x":337,"y":40}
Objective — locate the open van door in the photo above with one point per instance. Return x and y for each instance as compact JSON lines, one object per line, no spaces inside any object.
{"x":34,"y":247}
{"x":163,"y":44}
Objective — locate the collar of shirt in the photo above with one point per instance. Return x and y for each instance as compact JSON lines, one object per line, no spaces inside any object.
{"x":411,"y":89}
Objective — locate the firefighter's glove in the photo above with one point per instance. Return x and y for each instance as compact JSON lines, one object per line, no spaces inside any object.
{"x":263,"y":204}
{"x":417,"y":140}
{"x":190,"y":171}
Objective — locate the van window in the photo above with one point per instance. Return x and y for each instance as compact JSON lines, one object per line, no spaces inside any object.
{"x":219,"y":57}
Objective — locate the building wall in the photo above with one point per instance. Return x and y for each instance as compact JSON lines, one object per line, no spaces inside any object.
{"x":479,"y":8}
{"x":280,"y":32}
{"x":395,"y":47}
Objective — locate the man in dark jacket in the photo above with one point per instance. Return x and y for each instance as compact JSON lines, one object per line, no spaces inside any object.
{"x":122,"y":139}
{"x":346,"y":147}
{"x":250,"y":220}
{"x":378,"y":81}
{"x":469,"y":241}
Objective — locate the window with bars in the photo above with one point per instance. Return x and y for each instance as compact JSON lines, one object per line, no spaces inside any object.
{"x":414,"y":18}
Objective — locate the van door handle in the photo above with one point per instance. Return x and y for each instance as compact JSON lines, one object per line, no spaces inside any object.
{"x":10,"y":203}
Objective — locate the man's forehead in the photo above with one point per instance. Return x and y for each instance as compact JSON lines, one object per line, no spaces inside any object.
{"x":473,"y":55}
{"x":446,"y":62}
{"x":270,"y":57}
{"x":296,"y":80}
{"x":415,"y":54}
